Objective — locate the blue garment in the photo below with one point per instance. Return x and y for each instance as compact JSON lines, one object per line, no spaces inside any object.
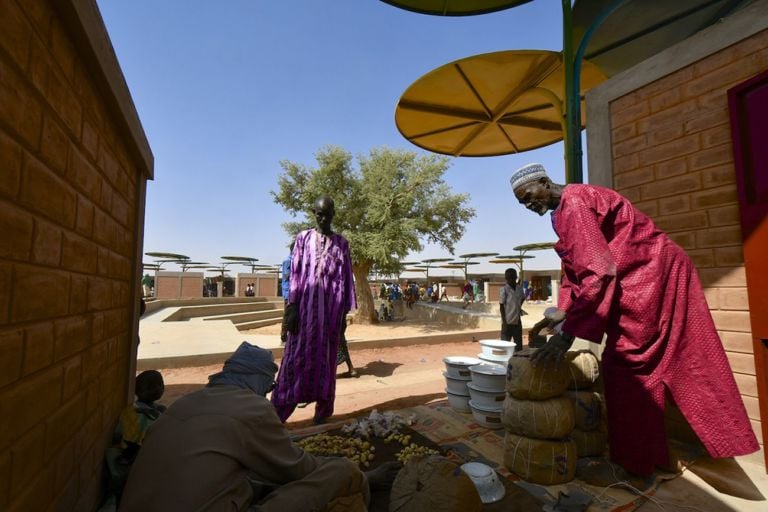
{"x":286,"y":287}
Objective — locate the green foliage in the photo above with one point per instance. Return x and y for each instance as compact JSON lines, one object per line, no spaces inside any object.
{"x":386,"y":208}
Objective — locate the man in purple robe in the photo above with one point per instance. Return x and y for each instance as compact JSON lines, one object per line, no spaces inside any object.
{"x":627,"y":280}
{"x":321,"y":293}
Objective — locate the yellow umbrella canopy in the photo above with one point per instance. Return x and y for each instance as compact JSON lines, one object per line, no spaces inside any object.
{"x":455,"y":7}
{"x":490,"y":104}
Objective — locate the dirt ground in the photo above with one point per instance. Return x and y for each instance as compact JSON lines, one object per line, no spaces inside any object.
{"x":389,"y":378}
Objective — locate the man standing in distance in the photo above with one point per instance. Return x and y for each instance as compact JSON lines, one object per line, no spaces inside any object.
{"x":626,"y":279}
{"x":322,"y":292}
{"x":510,"y":300}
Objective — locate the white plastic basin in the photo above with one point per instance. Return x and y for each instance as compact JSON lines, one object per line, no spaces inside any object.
{"x":457,"y":367}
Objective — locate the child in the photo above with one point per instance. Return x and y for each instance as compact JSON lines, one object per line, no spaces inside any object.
{"x":134,"y":422}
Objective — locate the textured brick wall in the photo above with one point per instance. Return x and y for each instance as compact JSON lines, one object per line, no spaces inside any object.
{"x":672,"y":157}
{"x":68,"y":199}
{"x":179,"y":285}
{"x":266,"y":286}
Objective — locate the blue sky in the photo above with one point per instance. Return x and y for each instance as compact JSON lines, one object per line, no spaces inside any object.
{"x":225,"y":90}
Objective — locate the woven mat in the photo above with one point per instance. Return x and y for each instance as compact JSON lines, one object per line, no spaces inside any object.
{"x":462,"y":439}
{"x":466,"y":440}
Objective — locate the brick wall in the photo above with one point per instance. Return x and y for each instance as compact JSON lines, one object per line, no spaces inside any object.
{"x":672,"y":157}
{"x":179,"y":285}
{"x":264,"y":285}
{"x":69,"y":204}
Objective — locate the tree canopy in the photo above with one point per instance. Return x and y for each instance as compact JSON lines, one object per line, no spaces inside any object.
{"x":387,"y":207}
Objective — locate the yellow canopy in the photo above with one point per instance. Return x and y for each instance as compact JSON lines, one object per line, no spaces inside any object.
{"x":490,"y":104}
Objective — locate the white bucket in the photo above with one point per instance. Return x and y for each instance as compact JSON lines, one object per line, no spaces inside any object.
{"x":484,"y":398}
{"x":459,"y":403}
{"x":456,"y":386}
{"x":486,"y":416}
{"x":489,"y":376}
{"x":487,"y":359}
{"x":457,"y":367}
{"x":498,"y":350}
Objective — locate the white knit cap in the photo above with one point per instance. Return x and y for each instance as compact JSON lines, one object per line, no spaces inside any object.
{"x":527,"y":174}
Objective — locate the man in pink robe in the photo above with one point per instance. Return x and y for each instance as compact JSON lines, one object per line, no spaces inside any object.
{"x":322,"y":292}
{"x":627,"y":280}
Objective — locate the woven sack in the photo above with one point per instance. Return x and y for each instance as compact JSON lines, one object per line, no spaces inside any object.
{"x":584,"y":368}
{"x":541,"y":419}
{"x":433,"y":484}
{"x":589,"y":444}
{"x":544,"y":462}
{"x":588,"y":409}
{"x":528,"y":382}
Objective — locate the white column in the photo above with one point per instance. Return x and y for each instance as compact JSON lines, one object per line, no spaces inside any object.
{"x":555,"y":291}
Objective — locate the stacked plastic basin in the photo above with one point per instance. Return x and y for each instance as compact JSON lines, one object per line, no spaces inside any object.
{"x":477,"y":387}
{"x":457,"y":375}
{"x":487,"y":391}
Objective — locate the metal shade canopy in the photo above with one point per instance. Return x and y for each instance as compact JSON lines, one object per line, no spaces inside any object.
{"x":170,"y":256}
{"x":639,"y":29}
{"x":511,"y":259}
{"x":490,"y":104}
{"x":478,"y":255}
{"x":455,"y":7}
{"x":540,"y":246}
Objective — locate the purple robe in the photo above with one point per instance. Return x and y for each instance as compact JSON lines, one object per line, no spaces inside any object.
{"x":322,"y":286}
{"x":625,"y":278}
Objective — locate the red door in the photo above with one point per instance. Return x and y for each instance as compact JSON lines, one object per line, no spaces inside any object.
{"x":748,"y":104}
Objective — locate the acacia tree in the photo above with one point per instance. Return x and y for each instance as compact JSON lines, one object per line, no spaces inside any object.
{"x":386,"y":208}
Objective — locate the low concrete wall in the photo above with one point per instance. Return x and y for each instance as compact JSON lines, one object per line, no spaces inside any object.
{"x":156,"y":305}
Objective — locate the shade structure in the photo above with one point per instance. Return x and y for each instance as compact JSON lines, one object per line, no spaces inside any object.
{"x":240,"y":259}
{"x":455,"y":7}
{"x":639,"y":29}
{"x":507,"y":261}
{"x":478,"y":255}
{"x":538,"y":246}
{"x":490,"y":104}
{"x":169,"y":256}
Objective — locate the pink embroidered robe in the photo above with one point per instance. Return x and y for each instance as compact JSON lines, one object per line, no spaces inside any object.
{"x":625,"y":278}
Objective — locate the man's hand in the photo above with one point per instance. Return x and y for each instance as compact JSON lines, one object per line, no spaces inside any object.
{"x":554,"y":351}
{"x":292,"y":318}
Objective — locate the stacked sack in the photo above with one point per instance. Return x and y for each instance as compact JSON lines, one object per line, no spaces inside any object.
{"x":538,"y":418}
{"x":589,"y":434}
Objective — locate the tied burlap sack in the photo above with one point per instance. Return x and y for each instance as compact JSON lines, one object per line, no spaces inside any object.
{"x":540,"y":419}
{"x":584,"y":368}
{"x":540,"y":461}
{"x":588,"y":408}
{"x":433,"y":484}
{"x":589,"y":444}
{"x":528,"y":382}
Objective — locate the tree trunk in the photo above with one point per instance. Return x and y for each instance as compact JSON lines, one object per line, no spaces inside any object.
{"x":366,"y":311}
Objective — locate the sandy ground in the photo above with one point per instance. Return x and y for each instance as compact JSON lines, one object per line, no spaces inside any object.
{"x":389,"y":378}
{"x":400,"y":328}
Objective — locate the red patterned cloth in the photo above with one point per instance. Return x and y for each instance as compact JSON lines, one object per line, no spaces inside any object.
{"x":625,"y":278}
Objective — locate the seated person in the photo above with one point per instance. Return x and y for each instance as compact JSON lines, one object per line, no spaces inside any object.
{"x":224,"y":448}
{"x":134,"y":422}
